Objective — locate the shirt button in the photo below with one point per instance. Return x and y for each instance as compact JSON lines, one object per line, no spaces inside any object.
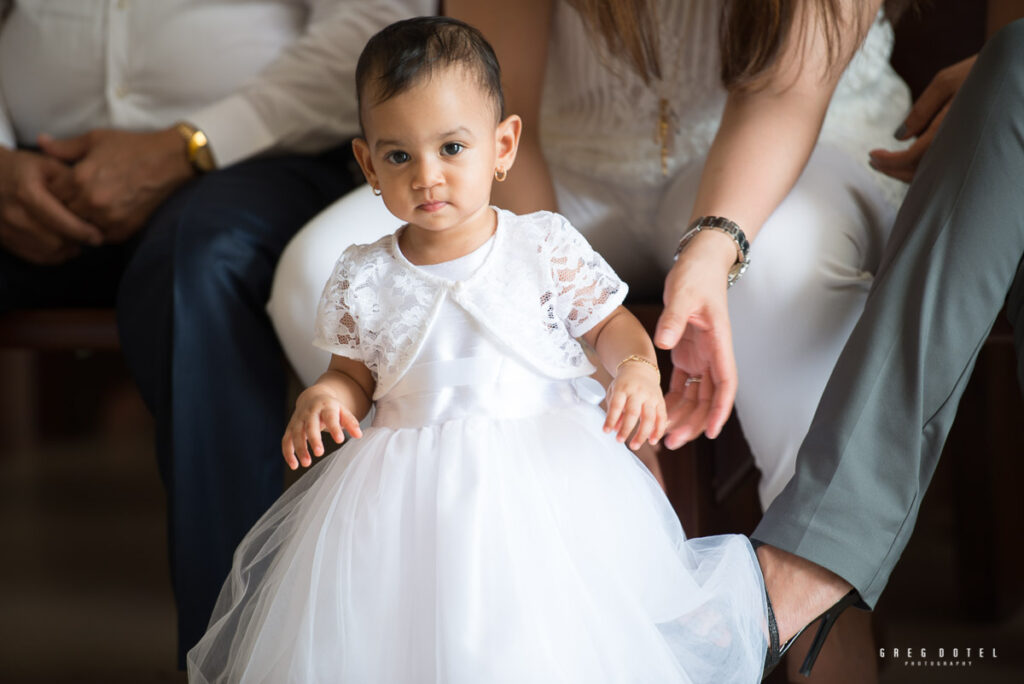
{"x":122,"y":4}
{"x":121,"y":90}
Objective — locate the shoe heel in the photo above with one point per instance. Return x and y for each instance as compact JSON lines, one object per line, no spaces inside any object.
{"x":827,"y":620}
{"x":819,"y":641}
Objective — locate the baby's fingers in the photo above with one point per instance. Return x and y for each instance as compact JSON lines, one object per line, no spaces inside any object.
{"x":332,"y":425}
{"x":660,"y":423}
{"x":616,"y":401}
{"x":288,"y":450}
{"x":293,"y":441}
{"x":313,"y":430}
{"x":630,"y":415}
{"x":295,"y":438}
{"x":350,"y":423}
{"x":648,"y":418}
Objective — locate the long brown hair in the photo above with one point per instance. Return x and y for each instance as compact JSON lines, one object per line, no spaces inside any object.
{"x":751,"y":33}
{"x":629,"y":31}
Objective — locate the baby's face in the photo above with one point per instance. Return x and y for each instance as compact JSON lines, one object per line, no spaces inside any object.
{"x":433,"y":151}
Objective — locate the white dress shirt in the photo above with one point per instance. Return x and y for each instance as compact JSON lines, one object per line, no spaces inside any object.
{"x":254,"y":75}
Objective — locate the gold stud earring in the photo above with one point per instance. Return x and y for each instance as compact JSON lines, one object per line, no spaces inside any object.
{"x":376,"y":190}
{"x":500,"y":175}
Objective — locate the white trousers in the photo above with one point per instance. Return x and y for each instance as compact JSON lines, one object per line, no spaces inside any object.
{"x":812,"y":266}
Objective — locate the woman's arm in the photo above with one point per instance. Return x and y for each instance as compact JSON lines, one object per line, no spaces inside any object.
{"x":768,"y":131}
{"x":765,"y":138}
{"x":518,"y":31}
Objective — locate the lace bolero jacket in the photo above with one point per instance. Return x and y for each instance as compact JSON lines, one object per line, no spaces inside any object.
{"x":540,"y":287}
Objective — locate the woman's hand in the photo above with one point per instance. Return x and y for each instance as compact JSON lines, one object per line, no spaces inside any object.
{"x":923,"y":122}
{"x":695,"y":326}
{"x":634,"y":399}
{"x":317,"y":409}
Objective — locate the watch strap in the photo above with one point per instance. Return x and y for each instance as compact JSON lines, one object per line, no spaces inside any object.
{"x":731,"y":229}
{"x":197,"y":147}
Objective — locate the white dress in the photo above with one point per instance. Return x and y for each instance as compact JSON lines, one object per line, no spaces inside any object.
{"x":483,"y":530}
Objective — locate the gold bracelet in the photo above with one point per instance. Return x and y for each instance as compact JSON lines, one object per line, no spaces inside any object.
{"x":639,"y":359}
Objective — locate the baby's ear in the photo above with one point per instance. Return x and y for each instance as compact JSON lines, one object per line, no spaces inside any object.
{"x":361,"y":151}
{"x":506,"y":139}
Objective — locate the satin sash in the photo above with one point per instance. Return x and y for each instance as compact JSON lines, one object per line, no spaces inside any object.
{"x":436,"y":392}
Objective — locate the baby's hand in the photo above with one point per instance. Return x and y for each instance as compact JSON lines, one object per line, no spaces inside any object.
{"x":317,"y":409}
{"x":635,"y":399}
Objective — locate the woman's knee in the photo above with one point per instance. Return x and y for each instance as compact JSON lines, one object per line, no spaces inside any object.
{"x":306,"y":264}
{"x":829,"y":230}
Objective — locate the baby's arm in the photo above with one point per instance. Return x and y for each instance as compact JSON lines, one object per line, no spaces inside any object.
{"x":634,"y":397}
{"x":338,"y":400}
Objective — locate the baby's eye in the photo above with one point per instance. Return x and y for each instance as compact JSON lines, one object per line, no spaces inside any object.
{"x":397,"y":157}
{"x":451,"y":149}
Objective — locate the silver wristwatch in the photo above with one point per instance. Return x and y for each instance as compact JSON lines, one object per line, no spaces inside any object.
{"x":728,"y":227}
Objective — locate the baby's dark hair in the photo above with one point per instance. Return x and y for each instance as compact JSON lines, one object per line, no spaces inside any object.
{"x":401,"y":54}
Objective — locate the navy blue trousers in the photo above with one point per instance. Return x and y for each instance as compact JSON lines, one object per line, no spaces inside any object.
{"x":196,"y":337}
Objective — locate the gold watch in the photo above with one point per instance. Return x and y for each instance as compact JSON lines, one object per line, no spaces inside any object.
{"x":199,"y":154}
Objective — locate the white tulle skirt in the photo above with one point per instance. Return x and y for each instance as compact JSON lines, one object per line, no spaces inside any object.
{"x":482,"y":550}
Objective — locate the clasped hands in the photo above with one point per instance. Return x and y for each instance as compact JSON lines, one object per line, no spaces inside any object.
{"x":93,"y":189}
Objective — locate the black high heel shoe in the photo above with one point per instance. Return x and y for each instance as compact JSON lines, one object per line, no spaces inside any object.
{"x":776,"y":650}
{"x":828,"y":618}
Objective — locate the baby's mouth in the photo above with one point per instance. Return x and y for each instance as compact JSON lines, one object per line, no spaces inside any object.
{"x":432,"y":205}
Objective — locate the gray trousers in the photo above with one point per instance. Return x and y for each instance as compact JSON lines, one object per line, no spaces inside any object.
{"x":953,"y":260}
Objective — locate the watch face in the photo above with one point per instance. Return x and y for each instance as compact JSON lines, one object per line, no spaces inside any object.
{"x":202,"y":159}
{"x":199,"y":154}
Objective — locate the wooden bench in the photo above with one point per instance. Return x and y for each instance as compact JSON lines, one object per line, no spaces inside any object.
{"x":23,"y":334}
{"x":59,"y":329}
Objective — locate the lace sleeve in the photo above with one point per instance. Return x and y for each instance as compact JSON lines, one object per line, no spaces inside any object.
{"x":337,"y":329}
{"x":586,"y":287}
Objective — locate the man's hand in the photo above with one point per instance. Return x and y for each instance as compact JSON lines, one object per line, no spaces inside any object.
{"x":923,"y":122}
{"x":119,"y":177}
{"x":34,"y":224}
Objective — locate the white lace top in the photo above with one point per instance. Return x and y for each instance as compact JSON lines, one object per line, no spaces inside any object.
{"x":600,"y":119}
{"x":539,"y":288}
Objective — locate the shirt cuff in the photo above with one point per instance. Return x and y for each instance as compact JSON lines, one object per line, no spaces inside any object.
{"x":7,"y":137}
{"x":234,"y":130}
